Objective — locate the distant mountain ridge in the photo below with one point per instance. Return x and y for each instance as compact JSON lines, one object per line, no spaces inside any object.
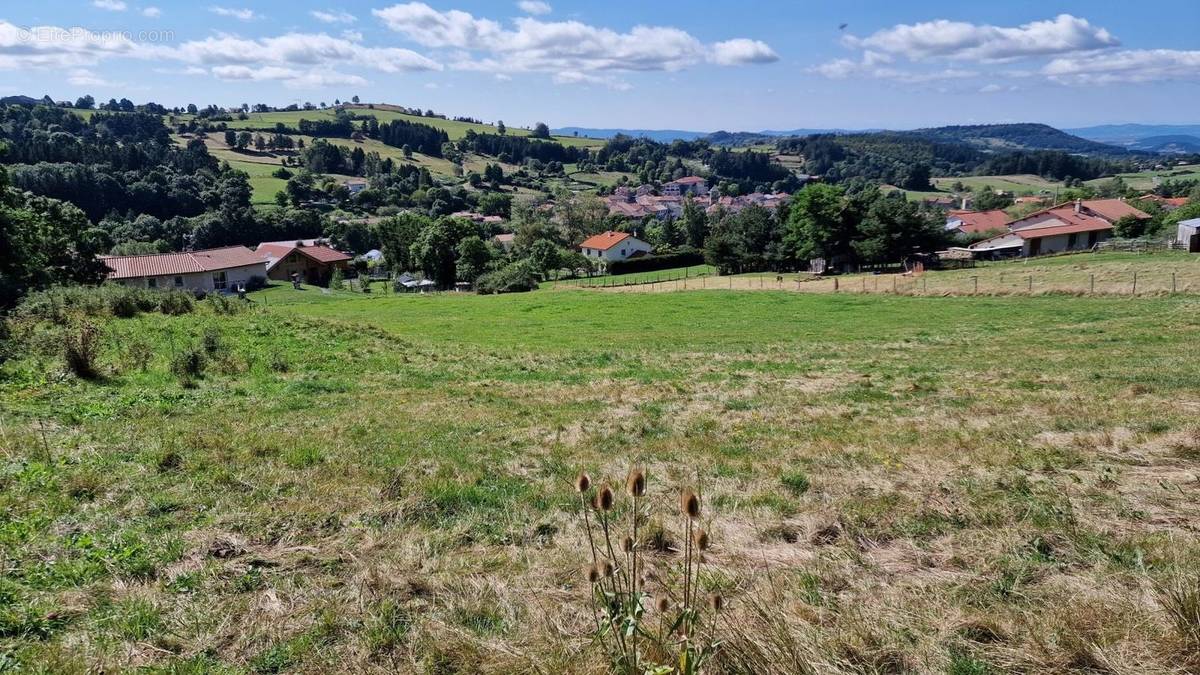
{"x":1020,"y":136}
{"x":1178,"y":144}
{"x":1131,"y":134}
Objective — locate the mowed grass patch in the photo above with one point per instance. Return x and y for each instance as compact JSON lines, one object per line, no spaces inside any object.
{"x":359,"y":482}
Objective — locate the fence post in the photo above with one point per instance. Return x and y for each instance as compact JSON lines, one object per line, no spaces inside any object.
{"x":1092,"y":284}
{"x":1030,"y":283}
{"x":1135,"y":283}
{"x":1172,"y":282}
{"x":864,"y":280}
{"x":894,"y":285}
{"x":835,"y":284}
{"x":924,"y":283}
{"x":976,"y":280}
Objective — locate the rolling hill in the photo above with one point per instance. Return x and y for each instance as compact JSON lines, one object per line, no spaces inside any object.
{"x":1130,"y":134}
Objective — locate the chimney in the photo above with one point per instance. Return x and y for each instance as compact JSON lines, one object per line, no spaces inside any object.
{"x":1078,"y":205}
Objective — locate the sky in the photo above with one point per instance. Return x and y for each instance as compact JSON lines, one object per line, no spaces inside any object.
{"x":738,"y":66}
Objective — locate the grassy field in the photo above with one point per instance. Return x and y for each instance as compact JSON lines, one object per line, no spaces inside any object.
{"x":640,"y":277}
{"x":1145,"y":180}
{"x":1017,"y":184}
{"x":382,"y":483}
{"x":455,"y":130}
{"x":1108,"y":273}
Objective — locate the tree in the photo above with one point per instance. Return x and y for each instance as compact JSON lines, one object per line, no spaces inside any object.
{"x":230,"y":137}
{"x":724,"y":250}
{"x":988,"y":199}
{"x":396,"y":236}
{"x":500,"y":128}
{"x":1129,"y":227}
{"x":436,"y":248}
{"x":495,"y":204}
{"x":545,"y":256}
{"x":540,"y":130}
{"x":244,"y":139}
{"x":86,"y":102}
{"x":473,"y":258}
{"x":893,"y":228}
{"x":695,"y":223}
{"x":355,"y":99}
{"x":818,"y":224}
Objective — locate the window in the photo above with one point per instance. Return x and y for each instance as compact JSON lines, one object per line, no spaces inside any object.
{"x":219,"y":282}
{"x":152,"y":283}
{"x":178,"y":282}
{"x":622,"y":253}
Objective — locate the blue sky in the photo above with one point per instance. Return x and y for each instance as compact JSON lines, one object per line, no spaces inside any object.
{"x":621,"y":63}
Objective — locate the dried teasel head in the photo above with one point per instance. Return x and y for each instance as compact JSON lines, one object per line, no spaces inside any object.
{"x":592,"y":574}
{"x":605,"y":568}
{"x":716,"y":602}
{"x":627,"y":545}
{"x":700,"y":538}
{"x":604,"y":498}
{"x":582,"y":482}
{"x":635,"y":483}
{"x":662,"y":604}
{"x":689,"y":503}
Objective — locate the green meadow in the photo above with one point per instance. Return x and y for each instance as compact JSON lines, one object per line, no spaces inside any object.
{"x":336,"y":481}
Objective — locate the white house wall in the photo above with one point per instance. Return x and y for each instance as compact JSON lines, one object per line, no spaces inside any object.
{"x":203,"y":281}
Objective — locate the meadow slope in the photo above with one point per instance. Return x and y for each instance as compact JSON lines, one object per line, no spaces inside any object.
{"x":381,"y":483}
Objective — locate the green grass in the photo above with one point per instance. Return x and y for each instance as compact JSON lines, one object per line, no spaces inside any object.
{"x":640,"y":277}
{"x":1145,"y":180}
{"x":356,"y":482}
{"x":455,"y":130}
{"x":262,"y":183}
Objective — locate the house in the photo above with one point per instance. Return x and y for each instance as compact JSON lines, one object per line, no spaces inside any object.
{"x":478,"y":218}
{"x":311,"y":259}
{"x":355,"y":186}
{"x":505,"y":241}
{"x":1070,"y":227}
{"x":1066,"y":227}
{"x":1168,"y":203}
{"x":1189,"y":234}
{"x":976,"y":222}
{"x":610,"y":246}
{"x":219,"y":269}
{"x":690,"y":185}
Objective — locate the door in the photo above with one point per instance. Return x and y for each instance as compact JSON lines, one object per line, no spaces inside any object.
{"x":1194,"y":243}
{"x":1035,"y":247}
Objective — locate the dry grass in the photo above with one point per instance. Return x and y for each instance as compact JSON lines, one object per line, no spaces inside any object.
{"x":896,"y":484}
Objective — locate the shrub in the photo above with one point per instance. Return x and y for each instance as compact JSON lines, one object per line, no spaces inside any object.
{"x":223,"y":305}
{"x":517,"y":277}
{"x":188,"y":365}
{"x":256,"y":283}
{"x":337,"y":281}
{"x":175,"y":303}
{"x":211,"y":341}
{"x":82,"y":349}
{"x":653,"y":263}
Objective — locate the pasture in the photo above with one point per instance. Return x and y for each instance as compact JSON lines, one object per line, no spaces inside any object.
{"x":378,"y":483}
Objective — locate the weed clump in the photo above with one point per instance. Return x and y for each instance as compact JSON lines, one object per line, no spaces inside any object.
{"x":82,"y":350}
{"x":648,"y":621}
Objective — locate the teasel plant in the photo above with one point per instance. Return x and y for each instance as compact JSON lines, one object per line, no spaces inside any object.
{"x":651,"y":622}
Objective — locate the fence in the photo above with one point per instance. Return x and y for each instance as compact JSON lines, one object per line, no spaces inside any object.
{"x":981,"y":281}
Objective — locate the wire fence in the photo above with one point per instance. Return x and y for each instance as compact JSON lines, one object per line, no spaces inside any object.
{"x":980,"y":281}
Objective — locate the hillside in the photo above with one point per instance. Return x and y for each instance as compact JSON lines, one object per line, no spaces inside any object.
{"x":1002,"y":137}
{"x":1174,"y":144}
{"x":1129,"y":134}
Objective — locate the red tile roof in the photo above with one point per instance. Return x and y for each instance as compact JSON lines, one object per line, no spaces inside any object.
{"x":688,"y":180}
{"x":1064,"y":220}
{"x":982,"y":221}
{"x":604,"y":240}
{"x":1113,"y":210}
{"x":272,"y":253}
{"x":188,"y":262}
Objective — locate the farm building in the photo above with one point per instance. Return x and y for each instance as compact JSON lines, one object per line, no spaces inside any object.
{"x":610,"y":246}
{"x":311,"y":259}
{"x":1189,"y":234}
{"x":218,"y":269}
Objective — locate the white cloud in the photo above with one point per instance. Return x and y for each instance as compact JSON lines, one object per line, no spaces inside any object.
{"x":741,"y":51}
{"x":239,"y":14}
{"x":575,"y":77}
{"x":290,"y":77}
{"x":352,"y":35}
{"x":300,"y":50}
{"x":958,"y":40}
{"x":110,"y":5}
{"x":333,"y":16}
{"x":62,"y":48}
{"x":571,"y":50}
{"x":1128,"y":66}
{"x":82,"y":77}
{"x":876,"y":66}
{"x":152,"y":12}
{"x":535,"y":7}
